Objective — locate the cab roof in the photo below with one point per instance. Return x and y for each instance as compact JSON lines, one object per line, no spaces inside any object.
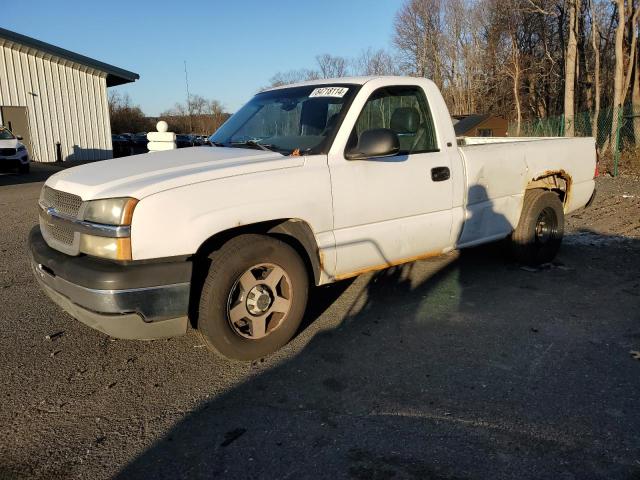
{"x":331,"y":81}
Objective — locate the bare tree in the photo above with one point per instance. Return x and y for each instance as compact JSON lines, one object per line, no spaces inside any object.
{"x":292,"y":76}
{"x":622,"y":75}
{"x":375,"y":62}
{"x":595,"y":44}
{"x":514,"y":71}
{"x":418,"y":34}
{"x":126,"y":117}
{"x":633,"y":40}
{"x":507,"y":20}
{"x":523,"y":59}
{"x":201,"y":116}
{"x":570,"y":69}
{"x":331,"y":66}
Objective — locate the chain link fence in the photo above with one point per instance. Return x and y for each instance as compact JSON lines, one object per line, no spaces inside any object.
{"x":617,"y":133}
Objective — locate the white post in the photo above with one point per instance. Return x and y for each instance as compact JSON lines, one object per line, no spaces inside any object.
{"x":161,"y":140}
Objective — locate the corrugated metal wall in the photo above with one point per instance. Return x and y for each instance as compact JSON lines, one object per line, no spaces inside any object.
{"x":66,"y":103}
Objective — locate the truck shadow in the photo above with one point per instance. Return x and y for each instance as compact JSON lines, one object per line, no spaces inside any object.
{"x":40,"y":172}
{"x":456,"y":367}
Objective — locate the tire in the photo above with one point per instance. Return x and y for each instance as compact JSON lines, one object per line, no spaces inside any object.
{"x":24,"y":168}
{"x":232,"y":318}
{"x":538,"y":236}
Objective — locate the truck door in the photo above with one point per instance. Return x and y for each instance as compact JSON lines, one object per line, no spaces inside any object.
{"x":394,"y":209}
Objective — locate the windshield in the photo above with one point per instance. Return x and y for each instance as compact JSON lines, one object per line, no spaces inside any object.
{"x":5,"y":134}
{"x":296,"y":120}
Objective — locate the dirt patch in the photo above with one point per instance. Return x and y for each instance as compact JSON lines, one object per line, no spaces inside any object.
{"x":614,"y":214}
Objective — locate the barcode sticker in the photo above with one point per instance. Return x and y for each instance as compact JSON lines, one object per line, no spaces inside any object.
{"x":337,"y":92}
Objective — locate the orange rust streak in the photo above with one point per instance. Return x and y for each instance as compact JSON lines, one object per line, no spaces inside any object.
{"x":562,"y":174}
{"x":388,"y":265}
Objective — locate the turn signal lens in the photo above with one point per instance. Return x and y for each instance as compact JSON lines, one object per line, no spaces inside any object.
{"x":106,"y":247}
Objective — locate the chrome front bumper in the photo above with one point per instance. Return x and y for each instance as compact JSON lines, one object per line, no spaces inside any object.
{"x":137,"y":312}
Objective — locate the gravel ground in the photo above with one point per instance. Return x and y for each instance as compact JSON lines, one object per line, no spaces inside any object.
{"x":463,"y":367}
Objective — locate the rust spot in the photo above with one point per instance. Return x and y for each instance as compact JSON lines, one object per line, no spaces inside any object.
{"x":560,"y":173}
{"x":321,"y":259}
{"x":376,"y":268}
{"x":556,"y":173}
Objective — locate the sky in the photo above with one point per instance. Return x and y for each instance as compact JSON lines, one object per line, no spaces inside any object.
{"x":232,"y":47}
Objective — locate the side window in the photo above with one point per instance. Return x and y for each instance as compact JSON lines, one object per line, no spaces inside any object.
{"x":403,"y":110}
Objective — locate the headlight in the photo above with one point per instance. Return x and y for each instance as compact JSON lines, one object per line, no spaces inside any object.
{"x":22,"y":148}
{"x":106,"y":247}
{"x":111,"y":211}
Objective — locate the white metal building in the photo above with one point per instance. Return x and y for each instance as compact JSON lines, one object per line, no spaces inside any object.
{"x":56,"y":99}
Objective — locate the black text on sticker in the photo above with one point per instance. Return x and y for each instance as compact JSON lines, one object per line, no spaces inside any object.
{"x":338,"y":92}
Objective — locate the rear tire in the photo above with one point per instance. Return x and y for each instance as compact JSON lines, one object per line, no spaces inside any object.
{"x":253,"y":298}
{"x":538,"y":236}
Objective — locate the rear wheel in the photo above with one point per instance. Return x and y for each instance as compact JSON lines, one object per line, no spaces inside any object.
{"x":538,"y":236}
{"x":253,"y":298}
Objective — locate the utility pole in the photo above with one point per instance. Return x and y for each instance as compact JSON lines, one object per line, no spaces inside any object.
{"x":186,"y":82}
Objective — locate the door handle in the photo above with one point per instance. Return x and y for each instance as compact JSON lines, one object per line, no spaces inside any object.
{"x":440,"y":174}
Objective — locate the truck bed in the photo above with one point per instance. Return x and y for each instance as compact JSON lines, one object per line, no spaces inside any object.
{"x":498,"y":171}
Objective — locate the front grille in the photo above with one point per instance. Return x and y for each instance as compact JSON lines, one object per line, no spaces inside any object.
{"x":60,"y":234}
{"x":7,"y":152}
{"x":60,"y":237}
{"x":64,"y":203}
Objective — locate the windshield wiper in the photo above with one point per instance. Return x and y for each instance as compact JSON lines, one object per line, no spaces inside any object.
{"x":253,"y":143}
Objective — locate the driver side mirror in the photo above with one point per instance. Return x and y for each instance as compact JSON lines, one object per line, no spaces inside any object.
{"x":19,"y":137}
{"x":377,"y":142}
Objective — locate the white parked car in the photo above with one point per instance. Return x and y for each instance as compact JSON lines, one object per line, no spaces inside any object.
{"x":13,"y":153}
{"x":310,"y":184}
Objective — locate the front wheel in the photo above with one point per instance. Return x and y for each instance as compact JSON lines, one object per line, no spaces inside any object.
{"x":23,"y":169}
{"x":538,"y":236}
{"x":254,"y":297}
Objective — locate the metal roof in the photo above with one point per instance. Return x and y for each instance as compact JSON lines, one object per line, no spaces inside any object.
{"x":465,"y":123}
{"x":115,"y":75}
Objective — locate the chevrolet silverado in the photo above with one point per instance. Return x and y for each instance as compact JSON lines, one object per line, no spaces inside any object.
{"x":305,"y":185}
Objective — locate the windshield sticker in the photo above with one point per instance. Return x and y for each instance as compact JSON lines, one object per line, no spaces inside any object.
{"x":337,"y":92}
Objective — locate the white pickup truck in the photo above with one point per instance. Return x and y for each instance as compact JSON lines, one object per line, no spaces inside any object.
{"x":305,"y":185}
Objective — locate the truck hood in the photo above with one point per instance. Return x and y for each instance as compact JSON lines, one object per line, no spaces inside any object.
{"x":139,"y":176}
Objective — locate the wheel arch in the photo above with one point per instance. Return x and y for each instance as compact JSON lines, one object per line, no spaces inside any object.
{"x":294,"y":231}
{"x":556,"y":181}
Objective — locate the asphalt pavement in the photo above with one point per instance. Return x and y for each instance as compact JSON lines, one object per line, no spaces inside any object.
{"x":462,"y":367}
